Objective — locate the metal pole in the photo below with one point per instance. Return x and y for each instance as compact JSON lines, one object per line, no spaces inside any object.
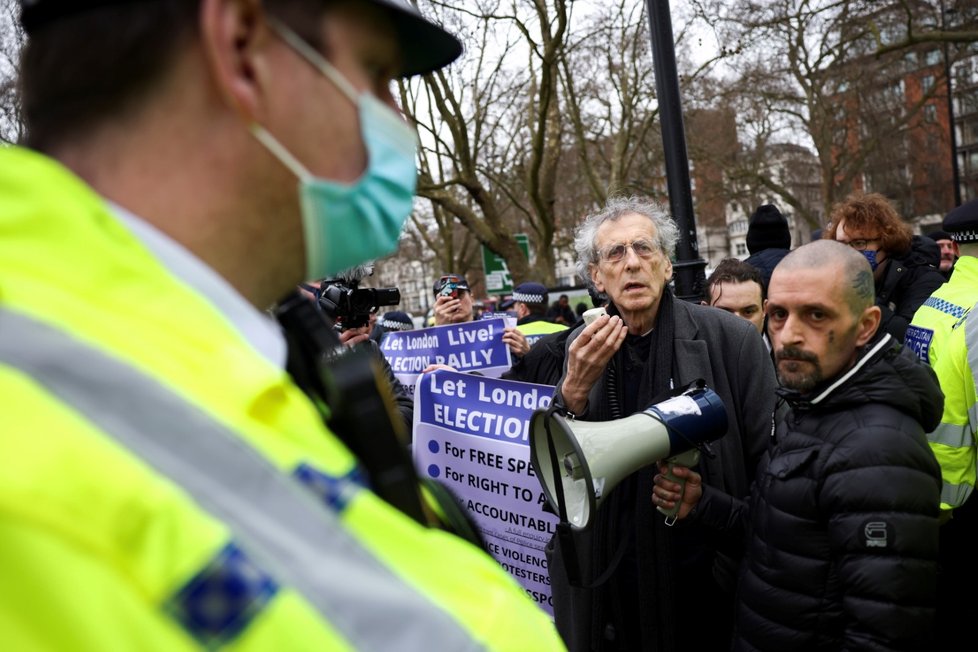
{"x":689,"y":267}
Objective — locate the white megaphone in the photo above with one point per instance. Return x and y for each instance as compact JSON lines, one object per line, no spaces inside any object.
{"x":589,"y":458}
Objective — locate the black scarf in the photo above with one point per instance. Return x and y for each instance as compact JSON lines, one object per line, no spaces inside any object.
{"x":629,"y":514}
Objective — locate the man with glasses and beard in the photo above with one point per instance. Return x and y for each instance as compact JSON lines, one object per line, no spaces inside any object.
{"x":840,"y":530}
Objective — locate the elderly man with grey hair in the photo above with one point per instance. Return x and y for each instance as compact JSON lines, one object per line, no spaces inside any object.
{"x":664,"y":585}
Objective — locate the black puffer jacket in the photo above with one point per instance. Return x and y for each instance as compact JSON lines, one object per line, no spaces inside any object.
{"x":905,"y":283}
{"x":841,"y":525}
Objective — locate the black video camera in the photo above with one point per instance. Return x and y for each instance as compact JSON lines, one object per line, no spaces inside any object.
{"x":350,"y":306}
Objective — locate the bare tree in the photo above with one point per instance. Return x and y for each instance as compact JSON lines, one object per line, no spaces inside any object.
{"x":609,"y":86}
{"x":947,"y":21}
{"x":550,"y":112}
{"x":814,"y":72}
{"x":491,"y":129}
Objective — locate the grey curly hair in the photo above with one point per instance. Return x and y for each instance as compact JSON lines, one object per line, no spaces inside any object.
{"x":666,"y":231}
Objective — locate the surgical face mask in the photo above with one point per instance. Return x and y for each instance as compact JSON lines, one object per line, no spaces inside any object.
{"x":345,"y":225}
{"x":871,"y":257}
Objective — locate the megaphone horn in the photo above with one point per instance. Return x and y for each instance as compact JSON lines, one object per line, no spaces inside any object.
{"x":579,"y":463}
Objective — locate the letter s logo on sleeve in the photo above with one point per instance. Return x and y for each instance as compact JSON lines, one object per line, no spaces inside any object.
{"x":877,"y":534}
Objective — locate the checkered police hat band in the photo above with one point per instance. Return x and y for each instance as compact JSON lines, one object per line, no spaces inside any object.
{"x":392,"y":325}
{"x":971,"y":235}
{"x":527,"y":298}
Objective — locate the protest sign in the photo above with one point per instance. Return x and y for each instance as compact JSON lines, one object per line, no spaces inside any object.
{"x":472,"y":433}
{"x":472,"y":346}
{"x":508,"y":315}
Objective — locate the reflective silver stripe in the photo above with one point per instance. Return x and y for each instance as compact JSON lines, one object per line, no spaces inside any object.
{"x":955,"y":494}
{"x":971,"y":343}
{"x":273,"y":518}
{"x":961,"y":436}
{"x":951,"y":434}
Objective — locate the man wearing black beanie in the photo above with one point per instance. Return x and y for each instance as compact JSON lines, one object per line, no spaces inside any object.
{"x":768,"y":240}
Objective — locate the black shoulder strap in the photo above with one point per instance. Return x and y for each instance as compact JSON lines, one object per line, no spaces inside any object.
{"x":346,"y":385}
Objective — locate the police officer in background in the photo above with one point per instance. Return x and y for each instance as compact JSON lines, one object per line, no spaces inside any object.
{"x":950,"y":252}
{"x":393,"y":320}
{"x":530,"y":303}
{"x":540,"y":366}
{"x":167,"y":486}
{"x":944,"y":333}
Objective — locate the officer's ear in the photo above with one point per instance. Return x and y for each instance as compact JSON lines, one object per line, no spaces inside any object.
{"x":868,"y":324}
{"x":235,"y":40}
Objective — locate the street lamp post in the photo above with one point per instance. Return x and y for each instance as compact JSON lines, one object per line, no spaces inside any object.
{"x":690,"y":275}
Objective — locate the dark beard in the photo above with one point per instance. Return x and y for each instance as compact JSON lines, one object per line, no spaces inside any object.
{"x":802,"y":383}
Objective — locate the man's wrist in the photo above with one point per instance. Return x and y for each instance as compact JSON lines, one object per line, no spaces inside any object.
{"x":575,"y":399}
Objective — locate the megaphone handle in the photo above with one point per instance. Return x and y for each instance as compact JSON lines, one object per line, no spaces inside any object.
{"x":687,"y":459}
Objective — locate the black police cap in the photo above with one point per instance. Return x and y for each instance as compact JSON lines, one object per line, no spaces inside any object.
{"x":425,"y":46}
{"x":962,"y":222}
{"x":530,"y":292}
{"x":397,"y":320}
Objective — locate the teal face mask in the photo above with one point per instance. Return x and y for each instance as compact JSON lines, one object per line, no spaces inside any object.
{"x":345,"y":225}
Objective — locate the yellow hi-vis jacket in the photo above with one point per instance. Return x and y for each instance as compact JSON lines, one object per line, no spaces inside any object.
{"x":537,"y":328}
{"x":944,"y":332}
{"x":165,"y":487}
